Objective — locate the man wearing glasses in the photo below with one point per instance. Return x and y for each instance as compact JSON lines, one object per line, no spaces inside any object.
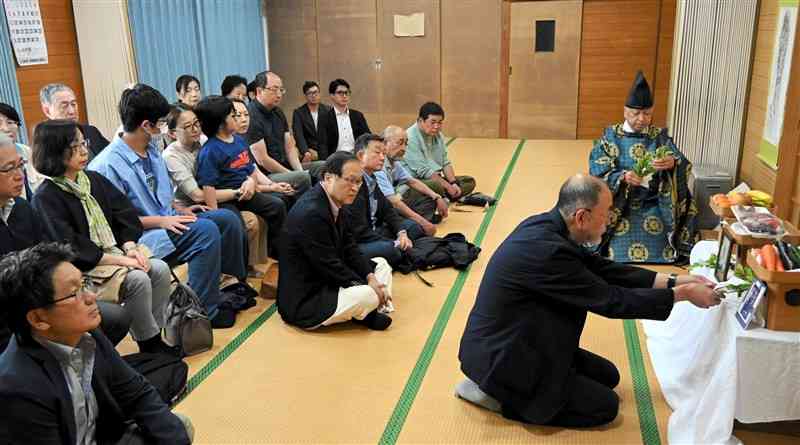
{"x":10,"y":126}
{"x":344,"y":124}
{"x":521,"y":350}
{"x":306,"y":123}
{"x":426,"y":157}
{"x":59,"y":102}
{"x":270,"y":139}
{"x":325,"y":279}
{"x":63,"y":378}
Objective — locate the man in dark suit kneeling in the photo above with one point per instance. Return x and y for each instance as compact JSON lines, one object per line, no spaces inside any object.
{"x":520,"y":349}
{"x":61,"y":380}
{"x":325,"y":279}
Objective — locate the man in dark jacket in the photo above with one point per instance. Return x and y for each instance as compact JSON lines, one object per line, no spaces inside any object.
{"x":308,"y":124}
{"x":324,"y":277}
{"x":60,"y":102}
{"x":65,"y":381}
{"x":343,"y":125}
{"x":520,"y":349}
{"x":377,"y":227}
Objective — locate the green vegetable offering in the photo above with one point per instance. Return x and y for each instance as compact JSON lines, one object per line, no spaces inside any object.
{"x":662,"y":152}
{"x":644,"y":165}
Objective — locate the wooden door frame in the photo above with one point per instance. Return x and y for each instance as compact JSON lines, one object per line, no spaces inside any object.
{"x":505,"y":61}
{"x":505,"y":64}
{"x":789,"y":145}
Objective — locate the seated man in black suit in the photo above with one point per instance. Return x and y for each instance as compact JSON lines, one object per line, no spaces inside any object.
{"x":520,"y":349}
{"x":308,"y":123}
{"x":21,"y":227}
{"x":324,"y":278}
{"x":343,"y":124}
{"x":59,"y":102}
{"x":65,"y":381}
{"x":377,"y":227}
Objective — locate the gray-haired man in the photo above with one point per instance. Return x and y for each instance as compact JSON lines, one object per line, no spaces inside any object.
{"x":59,"y":102}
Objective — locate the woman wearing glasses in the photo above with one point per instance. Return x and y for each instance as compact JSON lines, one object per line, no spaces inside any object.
{"x":87,"y":211}
{"x":9,"y":125}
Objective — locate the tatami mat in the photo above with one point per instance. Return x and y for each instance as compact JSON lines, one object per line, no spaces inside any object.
{"x":336,"y":385}
{"x":342,"y":384}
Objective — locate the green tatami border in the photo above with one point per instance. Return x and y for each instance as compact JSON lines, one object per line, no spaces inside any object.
{"x":234,"y":344}
{"x":222,"y":355}
{"x":641,"y":389}
{"x":395,"y":424}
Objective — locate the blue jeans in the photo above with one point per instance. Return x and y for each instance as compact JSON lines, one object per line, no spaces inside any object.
{"x":234,"y":241}
{"x":213,"y":244}
{"x":384,"y":246}
{"x":200,"y":247}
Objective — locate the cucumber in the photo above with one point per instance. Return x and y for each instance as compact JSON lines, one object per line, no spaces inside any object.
{"x":788,"y":264}
{"x":794,"y":253}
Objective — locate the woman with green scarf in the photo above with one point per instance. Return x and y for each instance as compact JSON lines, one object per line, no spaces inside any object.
{"x":84,"y":209}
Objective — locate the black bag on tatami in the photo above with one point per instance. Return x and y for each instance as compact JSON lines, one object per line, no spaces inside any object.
{"x":165,"y":372}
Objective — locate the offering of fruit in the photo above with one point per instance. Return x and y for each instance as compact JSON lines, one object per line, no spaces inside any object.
{"x":760,"y":199}
{"x":722,"y":201}
{"x":739,"y":199}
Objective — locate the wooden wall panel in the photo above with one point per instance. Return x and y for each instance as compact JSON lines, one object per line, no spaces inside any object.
{"x":292,"y":28}
{"x":348,"y":48}
{"x":614,"y":46}
{"x":666,"y":37}
{"x":411,"y":66}
{"x":470,"y":74}
{"x":63,"y":62}
{"x":543,"y":86}
{"x":752,"y":170}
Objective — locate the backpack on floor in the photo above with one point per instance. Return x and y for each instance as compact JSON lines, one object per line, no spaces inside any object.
{"x":165,"y":372}
{"x":430,"y":252}
{"x":478,"y":199}
{"x":187,"y":324}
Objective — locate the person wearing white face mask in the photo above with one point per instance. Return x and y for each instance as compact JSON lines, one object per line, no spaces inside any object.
{"x":520,"y":349}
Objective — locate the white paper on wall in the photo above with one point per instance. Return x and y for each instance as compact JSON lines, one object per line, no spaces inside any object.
{"x":409,"y":25}
{"x":26,"y":31}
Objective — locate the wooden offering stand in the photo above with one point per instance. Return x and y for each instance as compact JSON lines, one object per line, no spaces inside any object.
{"x":783,"y":296}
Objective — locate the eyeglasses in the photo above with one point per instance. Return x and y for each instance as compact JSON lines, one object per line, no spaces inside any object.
{"x":9,"y":123}
{"x":63,"y":106}
{"x":19,"y":167}
{"x":276,"y":89}
{"x":313,"y":93}
{"x":194,"y":124}
{"x":82,"y":144}
{"x":355,"y":182}
{"x":342,"y":93}
{"x":87,"y":288}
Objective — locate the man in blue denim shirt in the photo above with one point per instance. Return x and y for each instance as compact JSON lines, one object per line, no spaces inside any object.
{"x":210,"y":241}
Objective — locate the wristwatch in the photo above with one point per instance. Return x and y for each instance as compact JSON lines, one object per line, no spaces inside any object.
{"x":672,"y":280}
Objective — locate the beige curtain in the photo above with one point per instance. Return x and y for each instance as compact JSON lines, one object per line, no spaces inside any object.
{"x":710,"y":72}
{"x":107,"y":58}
